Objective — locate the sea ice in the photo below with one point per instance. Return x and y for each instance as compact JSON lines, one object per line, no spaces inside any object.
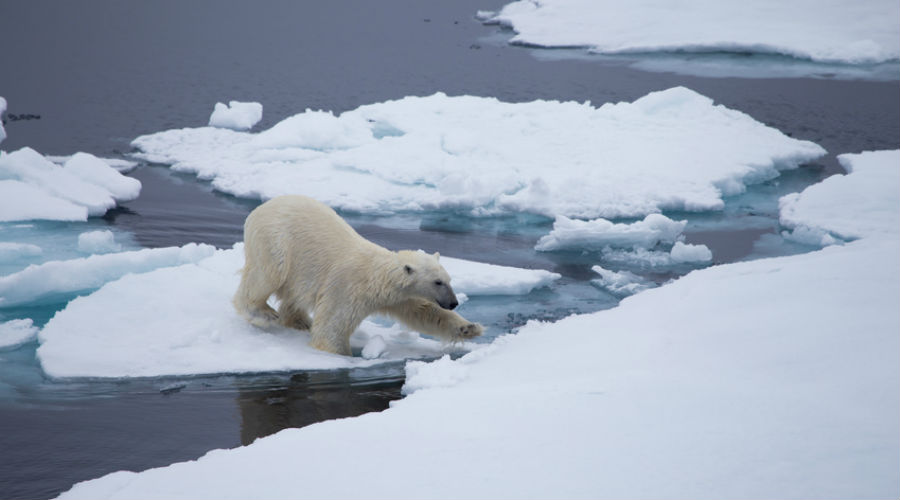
{"x":16,"y":332}
{"x":98,"y":242}
{"x":819,"y":216}
{"x":2,"y":110}
{"x":180,"y":321}
{"x":12,"y":250}
{"x":49,"y":280}
{"x":236,"y":115}
{"x":33,"y":187}
{"x":686,"y":253}
{"x":120,"y":165}
{"x":808,"y":29}
{"x":485,"y":157}
{"x":770,"y":378}
{"x":620,"y":283}
{"x":598,"y":233}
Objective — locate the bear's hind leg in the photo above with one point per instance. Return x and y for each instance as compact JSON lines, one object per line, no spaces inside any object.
{"x":251,"y":300}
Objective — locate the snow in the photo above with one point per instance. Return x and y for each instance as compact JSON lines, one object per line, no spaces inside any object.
{"x":481,"y":156}
{"x":774,"y":378}
{"x":598,"y":233}
{"x":48,"y":281}
{"x":620,"y":283}
{"x":236,"y":115}
{"x":33,"y":187}
{"x":16,"y":332}
{"x":120,"y":165}
{"x":98,"y":242}
{"x":817,"y":216}
{"x":180,"y":321}
{"x":807,"y":29}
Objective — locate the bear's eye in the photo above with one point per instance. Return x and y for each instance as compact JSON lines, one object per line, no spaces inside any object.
{"x":438,"y":283}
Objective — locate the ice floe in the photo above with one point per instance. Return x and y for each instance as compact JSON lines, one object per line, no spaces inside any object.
{"x":98,"y":242}
{"x":482,"y":156}
{"x":598,"y":233}
{"x":16,"y":332}
{"x":59,"y":278}
{"x":807,"y":29}
{"x":818,"y":215}
{"x":180,"y":321}
{"x":33,"y":187}
{"x":236,"y":115}
{"x":620,"y":283}
{"x":770,"y":378}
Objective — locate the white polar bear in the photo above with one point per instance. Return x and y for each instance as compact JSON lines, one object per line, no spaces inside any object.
{"x":319,"y":266}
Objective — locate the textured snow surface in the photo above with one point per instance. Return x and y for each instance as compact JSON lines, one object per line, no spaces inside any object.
{"x":482,"y":156}
{"x":236,"y":115}
{"x":775,"y":378}
{"x":820,"y":30}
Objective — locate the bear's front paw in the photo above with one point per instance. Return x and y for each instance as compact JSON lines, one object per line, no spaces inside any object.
{"x":470,"y":330}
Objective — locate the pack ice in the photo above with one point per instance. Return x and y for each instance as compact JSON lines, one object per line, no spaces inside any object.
{"x":483,"y":157}
{"x":808,"y":29}
{"x":770,"y":378}
{"x":179,"y":321}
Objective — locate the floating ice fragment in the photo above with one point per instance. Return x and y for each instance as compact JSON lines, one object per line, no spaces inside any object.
{"x":12,"y":250}
{"x":16,"y":332}
{"x":33,"y":187}
{"x":236,"y":115}
{"x":98,"y":242}
{"x":686,"y":253}
{"x":598,"y":233}
{"x":621,"y":283}
{"x":2,"y":110}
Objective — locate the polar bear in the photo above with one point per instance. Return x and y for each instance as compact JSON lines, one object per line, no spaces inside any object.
{"x":328,"y":278}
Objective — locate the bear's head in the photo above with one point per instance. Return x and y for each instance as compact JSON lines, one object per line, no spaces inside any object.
{"x":426,"y":277}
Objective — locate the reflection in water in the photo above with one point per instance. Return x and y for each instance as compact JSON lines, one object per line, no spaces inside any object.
{"x":312,"y":397}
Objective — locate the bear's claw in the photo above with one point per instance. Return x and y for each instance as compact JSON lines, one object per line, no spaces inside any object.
{"x":470,"y":331}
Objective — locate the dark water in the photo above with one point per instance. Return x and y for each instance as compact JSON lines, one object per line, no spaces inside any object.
{"x":101,"y":72}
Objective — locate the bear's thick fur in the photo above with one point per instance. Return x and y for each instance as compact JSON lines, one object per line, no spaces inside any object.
{"x":328,"y":278}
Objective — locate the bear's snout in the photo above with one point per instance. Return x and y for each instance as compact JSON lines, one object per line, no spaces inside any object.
{"x":451,"y":304}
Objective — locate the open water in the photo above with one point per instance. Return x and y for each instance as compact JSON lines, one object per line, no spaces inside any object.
{"x":94,"y":74}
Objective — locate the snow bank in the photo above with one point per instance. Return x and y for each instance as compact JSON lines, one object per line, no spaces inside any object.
{"x":180,"y":321}
{"x":16,"y":332}
{"x":818,"y":215}
{"x":809,"y":29}
{"x":33,"y":187}
{"x":236,"y":115}
{"x":485,"y":157}
{"x":37,"y":283}
{"x":775,"y":378}
{"x":598,"y":233}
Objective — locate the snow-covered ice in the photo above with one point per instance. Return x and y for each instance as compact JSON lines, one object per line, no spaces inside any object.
{"x":482,"y":156}
{"x":11,"y":250}
{"x":32,"y":187}
{"x":180,"y":321}
{"x":236,"y":115}
{"x":829,"y":31}
{"x":770,"y":378}
{"x":687,"y":253}
{"x":817,"y":216}
{"x":98,"y":242}
{"x":598,"y":233}
{"x":120,"y":165}
{"x":39,"y":283}
{"x":16,"y":332}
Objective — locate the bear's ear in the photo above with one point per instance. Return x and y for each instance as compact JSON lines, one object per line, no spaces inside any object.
{"x":408,"y":269}
{"x":437,"y":256}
